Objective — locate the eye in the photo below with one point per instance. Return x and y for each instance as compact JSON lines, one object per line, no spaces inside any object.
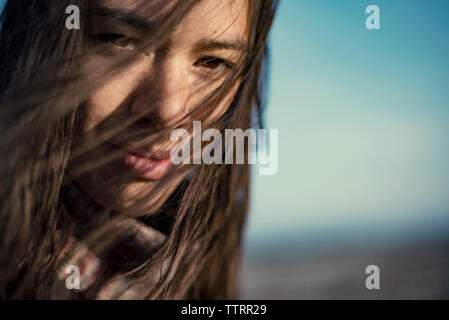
{"x":117,"y":40}
{"x":213,"y":63}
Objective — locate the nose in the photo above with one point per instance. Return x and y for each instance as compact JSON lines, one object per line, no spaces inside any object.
{"x":164,"y":91}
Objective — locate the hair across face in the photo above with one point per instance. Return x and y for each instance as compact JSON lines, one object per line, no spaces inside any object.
{"x":85,"y":103}
{"x":158,"y":88}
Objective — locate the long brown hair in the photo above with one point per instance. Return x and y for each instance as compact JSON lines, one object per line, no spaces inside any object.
{"x":42,"y":87}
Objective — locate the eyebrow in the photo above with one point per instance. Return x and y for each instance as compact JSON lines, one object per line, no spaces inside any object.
{"x":129,"y":18}
{"x":213,"y":44}
{"x":143,"y":24}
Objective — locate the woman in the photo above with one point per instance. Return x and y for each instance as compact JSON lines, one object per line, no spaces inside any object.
{"x":86,"y":117}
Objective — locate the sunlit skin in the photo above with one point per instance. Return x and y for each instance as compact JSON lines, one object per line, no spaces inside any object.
{"x":188,"y":68}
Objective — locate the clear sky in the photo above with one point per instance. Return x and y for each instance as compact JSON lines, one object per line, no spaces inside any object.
{"x":363,"y":119}
{"x":2,"y":4}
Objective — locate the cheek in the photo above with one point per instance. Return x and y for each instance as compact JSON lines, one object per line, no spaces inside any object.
{"x":97,"y":108}
{"x":107,"y":99}
{"x":225,"y":104}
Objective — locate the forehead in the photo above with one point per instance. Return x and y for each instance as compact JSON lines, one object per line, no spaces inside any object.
{"x":218,"y":19}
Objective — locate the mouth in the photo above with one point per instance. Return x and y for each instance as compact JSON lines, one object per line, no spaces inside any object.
{"x":147,"y":165}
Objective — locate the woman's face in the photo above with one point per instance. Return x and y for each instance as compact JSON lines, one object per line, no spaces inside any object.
{"x":170,"y":81}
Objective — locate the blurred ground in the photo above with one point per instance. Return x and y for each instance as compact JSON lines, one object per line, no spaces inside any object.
{"x":407,"y":272}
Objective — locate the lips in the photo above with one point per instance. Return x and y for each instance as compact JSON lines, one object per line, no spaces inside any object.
{"x":149,"y":165}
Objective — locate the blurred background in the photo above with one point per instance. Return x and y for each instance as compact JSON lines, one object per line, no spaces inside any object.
{"x":363,"y":119}
{"x":363,"y":179}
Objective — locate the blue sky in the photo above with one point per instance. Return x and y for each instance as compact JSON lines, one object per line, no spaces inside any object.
{"x":2,"y":4}
{"x":363,"y":119}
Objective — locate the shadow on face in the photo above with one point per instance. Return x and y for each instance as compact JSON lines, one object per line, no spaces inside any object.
{"x":158,"y":87}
